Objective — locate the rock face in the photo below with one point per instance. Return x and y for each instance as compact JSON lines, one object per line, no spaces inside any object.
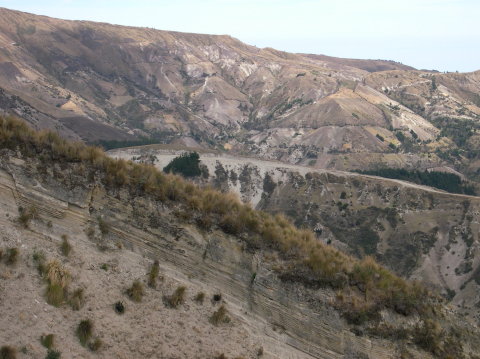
{"x":96,"y":82}
{"x":285,"y":318}
{"x":419,"y":232}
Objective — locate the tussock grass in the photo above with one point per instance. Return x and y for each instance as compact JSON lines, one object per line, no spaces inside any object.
{"x":84,"y":331}
{"x":77,"y":299}
{"x":176,"y":298}
{"x":57,"y":278}
{"x":220,"y":316}
{"x":26,"y":215}
{"x":53,"y":354}
{"x":199,"y":298}
{"x":366,"y":284}
{"x":136,"y":291}
{"x":153,"y":274}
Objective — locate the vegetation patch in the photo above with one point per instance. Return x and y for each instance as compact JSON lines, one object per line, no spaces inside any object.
{"x":220,"y":316}
{"x":187,"y":165}
{"x":153,"y":274}
{"x":445,"y":181}
{"x":175,"y":299}
{"x":136,"y":291}
{"x":8,"y":352}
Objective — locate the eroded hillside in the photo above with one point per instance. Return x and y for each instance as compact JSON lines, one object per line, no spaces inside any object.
{"x":419,"y":232}
{"x":100,"y":82}
{"x":283,"y":289}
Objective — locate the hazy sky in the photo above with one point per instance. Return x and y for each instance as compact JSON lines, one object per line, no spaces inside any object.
{"x":427,"y":34}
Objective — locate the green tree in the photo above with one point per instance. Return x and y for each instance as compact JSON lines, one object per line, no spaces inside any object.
{"x":187,"y":165}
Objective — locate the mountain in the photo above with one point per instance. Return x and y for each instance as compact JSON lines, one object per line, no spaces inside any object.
{"x":108,"y":258}
{"x":120,"y":85}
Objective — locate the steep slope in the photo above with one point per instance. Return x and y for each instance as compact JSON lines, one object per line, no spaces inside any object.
{"x":419,"y":232}
{"x":100,"y":82}
{"x":280,"y":285}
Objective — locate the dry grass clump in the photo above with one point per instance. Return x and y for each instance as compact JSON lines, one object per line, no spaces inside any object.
{"x":136,"y":291}
{"x":153,"y":274}
{"x":220,"y":316}
{"x":39,"y":259}
{"x":53,"y":354}
{"x":176,"y":299}
{"x":57,"y":278}
{"x":7,"y":352}
{"x":77,"y":299}
{"x":65,"y":247}
{"x":200,"y":297}
{"x":309,"y":261}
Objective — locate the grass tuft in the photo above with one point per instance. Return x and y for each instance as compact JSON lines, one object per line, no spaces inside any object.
{"x":220,"y":316}
{"x":200,"y":297}
{"x":84,"y":331}
{"x":77,"y":299}
{"x":47,"y":341}
{"x":136,"y":291}
{"x":11,"y":257}
{"x":53,"y":354}
{"x":65,"y":247}
{"x":176,"y":299}
{"x":153,"y":274}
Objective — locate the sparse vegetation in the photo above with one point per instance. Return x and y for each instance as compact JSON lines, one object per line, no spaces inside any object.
{"x":119,"y":307}
{"x":136,"y":291}
{"x":77,"y":299}
{"x":65,"y":247}
{"x":53,"y":354}
{"x":200,"y":297}
{"x":47,"y":341}
{"x":153,"y":274}
{"x":57,"y":278}
{"x":26,"y":215}
{"x":176,"y":299}
{"x":103,"y":226}
{"x":446,"y":181}
{"x":11,"y":257}
{"x":95,"y":345}
{"x":220,"y":316}
{"x":309,"y":260}
{"x":8,"y":352}
{"x":84,"y":331}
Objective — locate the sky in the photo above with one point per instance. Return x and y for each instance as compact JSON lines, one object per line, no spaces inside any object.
{"x":428,"y":34}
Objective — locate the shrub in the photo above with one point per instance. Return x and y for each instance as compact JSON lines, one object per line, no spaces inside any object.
{"x":153,"y":274}
{"x":104,"y":266}
{"x":47,"y":341}
{"x":11,"y":257}
{"x":7,"y":352}
{"x":84,"y":331}
{"x":77,"y":299}
{"x":187,"y":164}
{"x":176,"y":299}
{"x":199,"y":298}
{"x":65,"y":247}
{"x":53,"y":354}
{"x":119,"y":307}
{"x":217,"y":297}
{"x":136,"y":291}
{"x":58,"y":279}
{"x":220,"y":316}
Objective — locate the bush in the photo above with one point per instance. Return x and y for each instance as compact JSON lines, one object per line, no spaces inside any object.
{"x":119,"y":307}
{"x":65,"y":247}
{"x":220,"y":316}
{"x":11,"y":257}
{"x":7,"y":352}
{"x":187,"y":165}
{"x":39,"y":259}
{"x":58,"y":279}
{"x":136,"y":292}
{"x":84,"y":331}
{"x":55,"y":294}
{"x":176,"y":299}
{"x":153,"y":274}
{"x":47,"y":341}
{"x":103,"y":226}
